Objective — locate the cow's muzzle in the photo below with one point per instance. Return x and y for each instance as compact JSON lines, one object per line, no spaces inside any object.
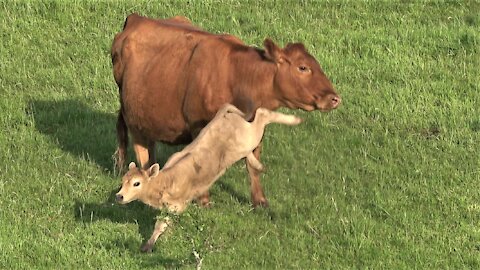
{"x":335,"y":101}
{"x":328,"y":103}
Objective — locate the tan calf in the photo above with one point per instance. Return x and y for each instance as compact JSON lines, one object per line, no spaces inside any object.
{"x":190,"y":172}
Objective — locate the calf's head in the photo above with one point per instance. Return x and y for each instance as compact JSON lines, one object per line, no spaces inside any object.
{"x":135,"y":183}
{"x":299,"y":81}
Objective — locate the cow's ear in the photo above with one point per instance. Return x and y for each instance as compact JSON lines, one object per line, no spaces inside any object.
{"x":273,"y":52}
{"x":132,"y":165}
{"x":153,"y":170}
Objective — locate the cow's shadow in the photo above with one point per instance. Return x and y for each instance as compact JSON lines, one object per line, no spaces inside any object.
{"x":77,"y":129}
{"x":85,"y":132}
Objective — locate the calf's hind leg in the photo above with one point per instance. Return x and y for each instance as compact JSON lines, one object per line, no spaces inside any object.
{"x":254,"y":162}
{"x":258,"y":198}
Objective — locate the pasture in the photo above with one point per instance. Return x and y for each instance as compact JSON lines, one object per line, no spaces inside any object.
{"x":391,"y":179}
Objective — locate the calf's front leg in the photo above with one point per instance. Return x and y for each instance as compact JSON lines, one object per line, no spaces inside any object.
{"x":204,"y":199}
{"x":160,"y":227}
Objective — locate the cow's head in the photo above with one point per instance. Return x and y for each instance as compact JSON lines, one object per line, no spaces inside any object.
{"x":135,"y":183}
{"x":299,"y":80}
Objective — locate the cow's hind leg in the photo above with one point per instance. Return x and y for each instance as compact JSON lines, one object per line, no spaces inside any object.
{"x":122,"y":138}
{"x":258,"y":198}
{"x":160,"y":227}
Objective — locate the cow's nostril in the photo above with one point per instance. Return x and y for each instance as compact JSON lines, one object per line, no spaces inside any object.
{"x":336,"y":101}
{"x":119,"y":198}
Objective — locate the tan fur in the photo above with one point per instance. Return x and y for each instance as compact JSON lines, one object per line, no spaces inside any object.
{"x":191,"y":172}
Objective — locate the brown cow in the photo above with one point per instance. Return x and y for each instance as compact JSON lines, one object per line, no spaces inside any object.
{"x":173,"y":77}
{"x":226,"y":139}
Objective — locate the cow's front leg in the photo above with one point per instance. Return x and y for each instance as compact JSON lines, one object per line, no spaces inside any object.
{"x":152,"y":159}
{"x":144,"y":152}
{"x":160,"y":227}
{"x":258,"y":198}
{"x":204,"y":199}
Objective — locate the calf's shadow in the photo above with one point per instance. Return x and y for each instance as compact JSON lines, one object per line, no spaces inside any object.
{"x":134,"y":212}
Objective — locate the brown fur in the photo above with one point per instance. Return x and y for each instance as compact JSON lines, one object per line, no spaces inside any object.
{"x":173,"y":77}
{"x":192,"y":171}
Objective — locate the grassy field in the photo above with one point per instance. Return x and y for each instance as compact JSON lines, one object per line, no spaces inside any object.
{"x":389,"y":180}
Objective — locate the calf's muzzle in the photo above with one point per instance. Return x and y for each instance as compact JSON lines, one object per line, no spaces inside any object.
{"x":119,"y":197}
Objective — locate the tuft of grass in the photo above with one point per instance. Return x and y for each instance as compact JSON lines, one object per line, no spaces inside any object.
{"x":389,"y":180}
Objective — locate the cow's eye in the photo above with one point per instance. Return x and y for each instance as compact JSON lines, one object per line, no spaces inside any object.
{"x":136,"y":184}
{"x":303,"y":69}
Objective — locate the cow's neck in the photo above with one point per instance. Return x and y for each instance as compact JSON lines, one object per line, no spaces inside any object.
{"x":255,"y":80}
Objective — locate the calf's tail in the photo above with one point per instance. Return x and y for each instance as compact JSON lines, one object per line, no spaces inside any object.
{"x":122,"y":138}
{"x":277,"y":117}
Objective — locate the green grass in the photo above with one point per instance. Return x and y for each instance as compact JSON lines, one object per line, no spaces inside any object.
{"x":389,"y":180}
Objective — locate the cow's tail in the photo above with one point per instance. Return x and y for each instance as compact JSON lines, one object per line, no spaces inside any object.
{"x":122,"y":138}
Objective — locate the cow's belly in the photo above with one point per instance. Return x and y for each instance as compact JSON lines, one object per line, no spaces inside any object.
{"x":154,"y":115}
{"x":155,"y":129}
{"x":152,"y":106}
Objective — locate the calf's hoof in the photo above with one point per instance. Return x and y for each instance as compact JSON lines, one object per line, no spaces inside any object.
{"x":146,"y":248}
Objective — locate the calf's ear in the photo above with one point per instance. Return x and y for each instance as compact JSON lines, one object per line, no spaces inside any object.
{"x":153,"y":170}
{"x":132,"y":165}
{"x":273,"y":52}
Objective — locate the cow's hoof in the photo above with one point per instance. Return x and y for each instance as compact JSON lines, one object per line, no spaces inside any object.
{"x":260,"y":203}
{"x":146,"y":248}
{"x":204,"y":203}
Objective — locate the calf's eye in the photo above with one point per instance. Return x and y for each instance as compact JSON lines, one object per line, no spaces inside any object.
{"x":136,"y":184}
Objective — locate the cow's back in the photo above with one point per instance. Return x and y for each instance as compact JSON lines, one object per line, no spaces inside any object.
{"x":142,"y":37}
